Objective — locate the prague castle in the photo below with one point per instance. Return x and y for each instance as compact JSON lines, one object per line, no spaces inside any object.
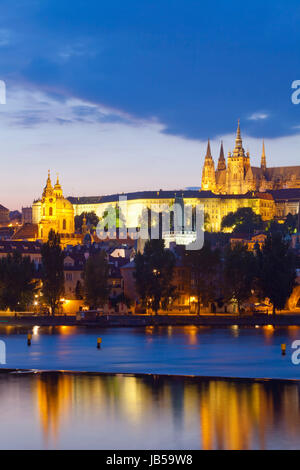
{"x":239,"y":177}
{"x":268,"y":191}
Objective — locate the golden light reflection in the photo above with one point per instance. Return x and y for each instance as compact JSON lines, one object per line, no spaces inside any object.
{"x":268,"y":331}
{"x":221,"y":414}
{"x":192,"y":334}
{"x":65,"y":330}
{"x":54,"y":398}
{"x":238,"y":416}
{"x":35,"y":330}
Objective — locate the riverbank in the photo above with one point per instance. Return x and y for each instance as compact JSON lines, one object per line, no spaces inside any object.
{"x":179,"y":377}
{"x":108,"y":321}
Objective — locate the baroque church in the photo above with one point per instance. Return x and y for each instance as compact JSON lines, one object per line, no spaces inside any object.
{"x":239,"y":177}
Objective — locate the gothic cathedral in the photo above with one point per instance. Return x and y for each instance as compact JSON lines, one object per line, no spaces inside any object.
{"x":239,"y":177}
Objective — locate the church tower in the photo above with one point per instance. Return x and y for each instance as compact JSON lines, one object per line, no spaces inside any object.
{"x":263,"y":164}
{"x":238,"y":167}
{"x":208,"y":172}
{"x":221,"y":161}
{"x":56,"y":212}
{"x":57,"y":188}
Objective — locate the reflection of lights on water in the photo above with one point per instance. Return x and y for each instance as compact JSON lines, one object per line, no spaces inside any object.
{"x":35,"y":330}
{"x":149,"y":330}
{"x":268,"y":331}
{"x":66,"y":330}
{"x":192,"y":334}
{"x":235,"y":330}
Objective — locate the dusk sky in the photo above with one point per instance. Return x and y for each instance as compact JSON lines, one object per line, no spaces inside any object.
{"x":122,"y":95}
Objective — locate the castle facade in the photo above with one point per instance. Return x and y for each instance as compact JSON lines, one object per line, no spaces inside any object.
{"x":238,"y":176}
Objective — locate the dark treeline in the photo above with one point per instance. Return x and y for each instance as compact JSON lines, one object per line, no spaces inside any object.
{"x":219,"y":275}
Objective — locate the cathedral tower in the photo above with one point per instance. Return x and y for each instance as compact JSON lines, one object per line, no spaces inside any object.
{"x":263,"y":164}
{"x":238,"y":168}
{"x":208,"y":172}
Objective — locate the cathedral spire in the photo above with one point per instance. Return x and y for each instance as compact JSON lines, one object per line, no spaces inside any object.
{"x":208,"y":172}
{"x":263,"y":164}
{"x":208,"y":151}
{"x":222,"y":161}
{"x":238,"y":150}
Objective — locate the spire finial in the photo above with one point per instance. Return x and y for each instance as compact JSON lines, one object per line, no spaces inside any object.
{"x":49,"y":178}
{"x":263,"y":157}
{"x":238,"y":132}
{"x":238,"y":150}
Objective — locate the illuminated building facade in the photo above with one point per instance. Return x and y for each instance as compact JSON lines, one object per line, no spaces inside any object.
{"x":215,"y":206}
{"x":238,"y":176}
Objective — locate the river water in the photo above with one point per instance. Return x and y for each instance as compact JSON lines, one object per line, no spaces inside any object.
{"x":124,"y":409}
{"x":190,"y":350}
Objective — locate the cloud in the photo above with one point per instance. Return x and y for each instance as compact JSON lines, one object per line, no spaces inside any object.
{"x":31,"y":108}
{"x":258,"y":116}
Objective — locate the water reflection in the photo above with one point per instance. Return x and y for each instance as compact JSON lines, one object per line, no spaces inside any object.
{"x":75,"y":410}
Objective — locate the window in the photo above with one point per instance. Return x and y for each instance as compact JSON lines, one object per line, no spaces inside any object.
{"x":64,"y":224}
{"x":50,"y":211}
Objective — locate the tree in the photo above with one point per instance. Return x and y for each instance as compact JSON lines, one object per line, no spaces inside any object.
{"x":17,"y":283}
{"x":204,"y":265}
{"x":240,"y":272}
{"x":244,"y":220}
{"x":52,"y":271}
{"x":91,"y":219}
{"x":291,"y":223}
{"x":277,"y":271}
{"x":287,"y":228}
{"x":96,"y":272}
{"x":153,"y":275}
{"x":113,"y":217}
{"x":79,"y":291}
